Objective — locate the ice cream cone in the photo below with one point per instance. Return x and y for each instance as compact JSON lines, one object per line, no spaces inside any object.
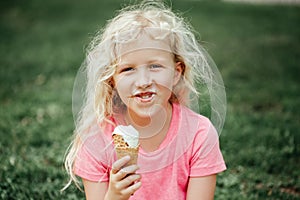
{"x":122,"y":149}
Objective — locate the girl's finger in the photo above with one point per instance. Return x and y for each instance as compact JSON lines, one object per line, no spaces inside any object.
{"x":130,"y":180}
{"x":129,"y":169}
{"x":133,"y":188}
{"x":119,"y":164}
{"x":126,"y":171}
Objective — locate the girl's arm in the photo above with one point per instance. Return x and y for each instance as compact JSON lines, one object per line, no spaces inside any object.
{"x":123,"y":182}
{"x":201,"y":188}
{"x":94,"y":190}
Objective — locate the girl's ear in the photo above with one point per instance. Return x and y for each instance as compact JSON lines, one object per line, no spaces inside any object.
{"x":179,"y":69}
{"x":111,"y":82}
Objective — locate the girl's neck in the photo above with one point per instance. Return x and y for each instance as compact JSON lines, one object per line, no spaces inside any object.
{"x":152,"y":130}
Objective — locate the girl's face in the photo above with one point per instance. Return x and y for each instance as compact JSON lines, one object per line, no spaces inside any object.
{"x":144,"y":80}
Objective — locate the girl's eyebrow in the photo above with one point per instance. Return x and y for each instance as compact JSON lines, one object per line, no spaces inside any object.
{"x":124,"y":64}
{"x":154,"y":60}
{"x":127,"y":64}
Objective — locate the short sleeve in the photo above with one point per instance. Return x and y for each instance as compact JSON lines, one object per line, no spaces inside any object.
{"x":206,"y":158}
{"x":88,"y":167}
{"x":95,"y":156}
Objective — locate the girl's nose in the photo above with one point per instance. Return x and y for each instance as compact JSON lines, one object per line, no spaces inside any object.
{"x":143,"y":79}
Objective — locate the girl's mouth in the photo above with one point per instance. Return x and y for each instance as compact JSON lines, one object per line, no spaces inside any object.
{"x":144,"y":96}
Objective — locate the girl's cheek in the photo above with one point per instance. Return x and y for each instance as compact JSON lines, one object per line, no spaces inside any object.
{"x":124,"y":85}
{"x":164,"y":80}
{"x":128,"y":78}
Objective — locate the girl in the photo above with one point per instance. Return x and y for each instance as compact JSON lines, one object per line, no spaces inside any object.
{"x":141,"y":71}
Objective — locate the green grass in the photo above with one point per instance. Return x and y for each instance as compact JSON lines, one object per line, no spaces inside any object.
{"x":257,"y":49}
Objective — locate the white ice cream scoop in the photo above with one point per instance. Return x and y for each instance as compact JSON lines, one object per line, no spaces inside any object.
{"x":129,"y":134}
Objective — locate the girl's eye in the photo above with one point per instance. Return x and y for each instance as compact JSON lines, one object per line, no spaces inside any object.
{"x":126,"y":69}
{"x":155,"y":66}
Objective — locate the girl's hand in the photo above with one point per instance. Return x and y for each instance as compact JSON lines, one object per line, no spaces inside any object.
{"x":123,"y":182}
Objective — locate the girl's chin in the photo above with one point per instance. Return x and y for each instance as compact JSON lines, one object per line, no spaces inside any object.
{"x":142,"y":115}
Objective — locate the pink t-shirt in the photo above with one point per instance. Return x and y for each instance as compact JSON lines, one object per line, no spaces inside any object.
{"x":190,"y":149}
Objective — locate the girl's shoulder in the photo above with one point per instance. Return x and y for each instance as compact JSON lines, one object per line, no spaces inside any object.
{"x":187,"y":115}
{"x":97,"y":135}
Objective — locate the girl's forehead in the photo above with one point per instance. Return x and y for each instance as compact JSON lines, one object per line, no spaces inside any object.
{"x":146,"y":38}
{"x":145,"y":56}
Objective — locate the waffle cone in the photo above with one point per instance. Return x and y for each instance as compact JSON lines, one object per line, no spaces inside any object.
{"x":122,"y":149}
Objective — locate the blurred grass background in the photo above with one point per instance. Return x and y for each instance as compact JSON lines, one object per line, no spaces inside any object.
{"x":257,"y":50}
